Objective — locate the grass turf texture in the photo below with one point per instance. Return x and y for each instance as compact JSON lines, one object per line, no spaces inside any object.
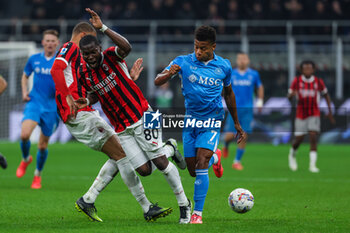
{"x":285,"y":201}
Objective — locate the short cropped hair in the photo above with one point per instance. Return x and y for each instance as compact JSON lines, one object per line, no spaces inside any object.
{"x":307,"y":62}
{"x":83,"y":27}
{"x":85,"y":40}
{"x":51,"y":32}
{"x":205,"y":33}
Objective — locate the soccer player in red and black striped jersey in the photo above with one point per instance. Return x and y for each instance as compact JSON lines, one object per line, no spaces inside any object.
{"x":307,"y":89}
{"x":105,"y":75}
{"x":88,"y":127}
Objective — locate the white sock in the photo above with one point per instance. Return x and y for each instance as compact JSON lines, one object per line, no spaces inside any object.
{"x":313,"y":158}
{"x":133,"y":182}
{"x":168,"y":151}
{"x":172,"y":175}
{"x":292,"y":152}
{"x":37,"y":172}
{"x":108,"y":171}
{"x":216,"y":158}
{"x":199,"y":213}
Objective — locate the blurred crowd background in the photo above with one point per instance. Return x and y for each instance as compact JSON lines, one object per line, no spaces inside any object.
{"x":180,"y":9}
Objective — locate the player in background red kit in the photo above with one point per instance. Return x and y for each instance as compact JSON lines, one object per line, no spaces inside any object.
{"x":89,"y":128}
{"x":307,"y":89}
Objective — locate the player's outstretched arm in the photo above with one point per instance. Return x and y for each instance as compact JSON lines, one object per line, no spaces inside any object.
{"x":230,"y":100}
{"x":3,"y":84}
{"x":166,"y":75}
{"x":123,"y":44}
{"x":136,"y":69}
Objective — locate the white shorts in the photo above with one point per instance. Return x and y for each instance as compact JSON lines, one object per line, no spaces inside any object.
{"x":306,"y":125}
{"x":90,"y":129}
{"x":141,"y":145}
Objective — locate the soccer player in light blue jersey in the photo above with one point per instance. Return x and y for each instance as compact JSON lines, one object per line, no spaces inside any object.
{"x":203,"y":75}
{"x":244,"y":82}
{"x":41,"y":106}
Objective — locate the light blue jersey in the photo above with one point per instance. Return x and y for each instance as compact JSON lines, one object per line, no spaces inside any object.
{"x":43,"y":91}
{"x":202,"y":84}
{"x":42,"y":106}
{"x":243,"y":86}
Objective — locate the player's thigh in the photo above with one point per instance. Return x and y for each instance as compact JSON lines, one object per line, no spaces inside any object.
{"x":208,"y":139}
{"x":27,"y":128}
{"x":89,"y":128}
{"x":314,"y":124}
{"x":48,"y":123}
{"x":149,"y":140}
{"x":31,"y":118}
{"x":133,"y":151}
{"x":113,"y":149}
{"x":203,"y":157}
{"x":189,"y":142}
{"x":300,"y":127}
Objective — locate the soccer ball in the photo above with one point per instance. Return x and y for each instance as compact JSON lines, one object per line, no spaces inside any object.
{"x":241,"y":200}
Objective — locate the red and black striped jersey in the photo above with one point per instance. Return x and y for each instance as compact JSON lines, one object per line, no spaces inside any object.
{"x":70,"y":54}
{"x":308,"y":95}
{"x":121,"y":99}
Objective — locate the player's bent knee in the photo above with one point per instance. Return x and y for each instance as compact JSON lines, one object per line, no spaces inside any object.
{"x":25,"y":136}
{"x":161,"y":162}
{"x":144,"y":170}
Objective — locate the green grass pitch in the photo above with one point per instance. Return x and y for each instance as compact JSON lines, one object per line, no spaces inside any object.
{"x":285,"y":201}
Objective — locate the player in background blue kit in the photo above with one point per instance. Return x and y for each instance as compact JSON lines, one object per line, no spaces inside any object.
{"x":203,"y":75}
{"x":244,"y":82}
{"x":41,"y":106}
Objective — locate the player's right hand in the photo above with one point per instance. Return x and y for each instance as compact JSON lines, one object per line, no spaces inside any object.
{"x":73,"y":109}
{"x":25,"y":97}
{"x":174,"y":69}
{"x":81,"y":103}
{"x":95,"y":19}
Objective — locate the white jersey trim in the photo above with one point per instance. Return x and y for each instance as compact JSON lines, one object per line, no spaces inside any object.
{"x":62,"y":59}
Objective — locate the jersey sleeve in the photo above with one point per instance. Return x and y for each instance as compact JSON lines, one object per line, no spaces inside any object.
{"x":68,"y":52}
{"x":227,"y":79}
{"x":28,"y":69}
{"x":322,"y":87}
{"x":113,"y":53}
{"x":294,"y":85}
{"x":257,"y":80}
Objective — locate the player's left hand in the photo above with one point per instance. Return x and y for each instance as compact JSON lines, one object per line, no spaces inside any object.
{"x":95,"y":19}
{"x":81,"y":103}
{"x":241,"y":135}
{"x":331,"y":118}
{"x":136,"y":69}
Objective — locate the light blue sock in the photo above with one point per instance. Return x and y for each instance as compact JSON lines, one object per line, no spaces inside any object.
{"x":239,"y":154}
{"x":201,"y":186}
{"x":25,"y":147}
{"x":41,"y":157}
